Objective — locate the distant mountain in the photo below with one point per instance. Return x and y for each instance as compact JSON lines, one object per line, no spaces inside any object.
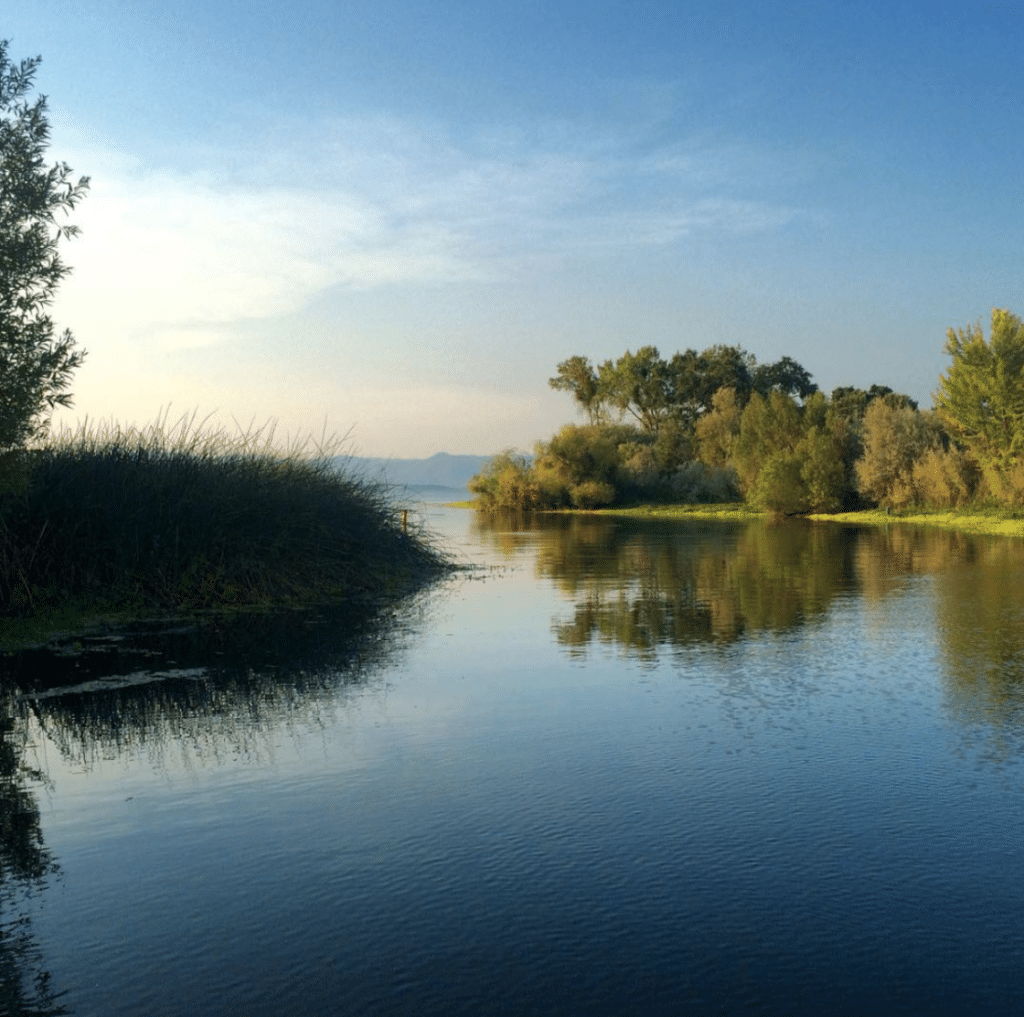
{"x":440,"y":470}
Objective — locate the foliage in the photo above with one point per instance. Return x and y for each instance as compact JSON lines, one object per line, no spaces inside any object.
{"x":592,"y":465}
{"x":981,"y":396}
{"x":780,"y":487}
{"x":789,"y":458}
{"x":583,"y":466}
{"x":656,"y":393}
{"x":847,"y":408}
{"x":35,"y":366}
{"x":703,"y":374}
{"x":785,"y":376}
{"x":697,"y":483}
{"x":769,"y":427}
{"x":591,"y":494}
{"x":717,"y":430}
{"x":186,"y":518}
{"x":765,"y":431}
{"x":823,"y":471}
{"x":578,"y":377}
{"x":945,"y":478}
{"x":1004,"y":485}
{"x":641,"y":385}
{"x":895,"y":439}
{"x":506,"y":481}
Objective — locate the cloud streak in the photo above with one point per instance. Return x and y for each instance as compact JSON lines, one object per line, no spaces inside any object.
{"x":185,"y":255}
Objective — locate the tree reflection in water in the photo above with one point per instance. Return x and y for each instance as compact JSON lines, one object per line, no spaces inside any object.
{"x":204,"y":691}
{"x":641,"y":585}
{"x":649,"y":586}
{"x":25,"y":864}
{"x":980,"y":616}
{"x":210,"y":690}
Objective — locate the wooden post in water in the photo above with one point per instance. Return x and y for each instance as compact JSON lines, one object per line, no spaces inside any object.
{"x":405,"y":520}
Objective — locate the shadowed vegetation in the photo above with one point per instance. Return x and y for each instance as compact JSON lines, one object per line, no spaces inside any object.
{"x":185,"y":518}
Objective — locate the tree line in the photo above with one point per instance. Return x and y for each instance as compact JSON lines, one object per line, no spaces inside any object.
{"x":716,"y":426}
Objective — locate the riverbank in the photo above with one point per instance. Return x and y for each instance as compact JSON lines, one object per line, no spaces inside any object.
{"x":726,"y":510}
{"x":967,"y":520}
{"x":1002,"y":522}
{"x":996,"y":521}
{"x":103,"y":525}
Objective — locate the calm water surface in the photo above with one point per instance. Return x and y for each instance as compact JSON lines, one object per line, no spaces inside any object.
{"x":619,"y":768}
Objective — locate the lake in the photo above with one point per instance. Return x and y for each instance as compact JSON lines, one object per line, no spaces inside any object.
{"x":618,"y":767}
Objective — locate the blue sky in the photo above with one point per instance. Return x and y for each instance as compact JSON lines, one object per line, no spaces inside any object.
{"x":399,"y":217}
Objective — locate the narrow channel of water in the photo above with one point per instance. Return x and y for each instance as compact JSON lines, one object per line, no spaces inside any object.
{"x":618,"y":768}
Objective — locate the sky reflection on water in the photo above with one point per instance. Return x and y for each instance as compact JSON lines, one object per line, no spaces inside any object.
{"x":620,"y":768}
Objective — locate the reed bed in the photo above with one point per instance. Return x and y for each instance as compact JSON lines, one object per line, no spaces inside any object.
{"x":187,"y":517}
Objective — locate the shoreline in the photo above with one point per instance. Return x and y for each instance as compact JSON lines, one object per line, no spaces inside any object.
{"x":962,"y":521}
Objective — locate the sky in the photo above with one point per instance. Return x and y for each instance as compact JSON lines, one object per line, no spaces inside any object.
{"x":389,"y":221}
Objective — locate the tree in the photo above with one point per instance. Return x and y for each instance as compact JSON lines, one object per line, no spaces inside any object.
{"x":789,"y":458}
{"x":769,"y":427}
{"x":717,"y":430}
{"x":506,"y":482}
{"x":896,"y":438}
{"x":577,"y":376}
{"x":668,"y":398}
{"x":580,"y":465}
{"x":785,"y":375}
{"x":722,"y":367}
{"x":823,"y":470}
{"x":642,"y":385}
{"x":35,"y":366}
{"x":981,"y":397}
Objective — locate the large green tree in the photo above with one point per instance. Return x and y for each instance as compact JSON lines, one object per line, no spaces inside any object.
{"x":676,"y":392}
{"x":578,"y":377}
{"x":35,"y":364}
{"x":642,"y":385}
{"x":981,"y":396}
{"x":786,"y":376}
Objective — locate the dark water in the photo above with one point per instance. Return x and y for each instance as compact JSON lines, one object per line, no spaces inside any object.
{"x":623,"y":769}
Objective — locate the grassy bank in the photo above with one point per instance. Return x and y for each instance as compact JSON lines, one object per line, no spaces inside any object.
{"x":722,"y":510}
{"x":992,"y":520}
{"x":112,"y":521}
{"x":651,"y":510}
{"x":996,"y":520}
{"x":970,"y":519}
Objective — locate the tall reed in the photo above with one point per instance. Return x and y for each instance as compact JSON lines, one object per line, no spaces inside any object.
{"x":192,"y":517}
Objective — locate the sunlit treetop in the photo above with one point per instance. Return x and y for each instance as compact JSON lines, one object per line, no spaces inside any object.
{"x":981,"y":396}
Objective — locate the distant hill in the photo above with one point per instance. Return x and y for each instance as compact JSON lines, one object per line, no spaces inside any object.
{"x":440,"y":470}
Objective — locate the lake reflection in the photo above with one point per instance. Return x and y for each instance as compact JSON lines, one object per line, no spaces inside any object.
{"x":647,"y":586}
{"x":621,"y":768}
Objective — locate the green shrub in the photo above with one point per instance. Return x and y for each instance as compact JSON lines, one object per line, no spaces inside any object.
{"x":591,"y":493}
{"x":823,"y":471}
{"x":590,"y":458}
{"x":780,"y":485}
{"x":1004,"y":483}
{"x":696,"y":483}
{"x":945,"y":478}
{"x":507,"y":481}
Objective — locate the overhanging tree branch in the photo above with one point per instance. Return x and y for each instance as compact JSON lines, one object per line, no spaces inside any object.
{"x":35,"y":364}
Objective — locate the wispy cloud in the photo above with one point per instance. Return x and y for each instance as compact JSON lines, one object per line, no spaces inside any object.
{"x":184,"y":255}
